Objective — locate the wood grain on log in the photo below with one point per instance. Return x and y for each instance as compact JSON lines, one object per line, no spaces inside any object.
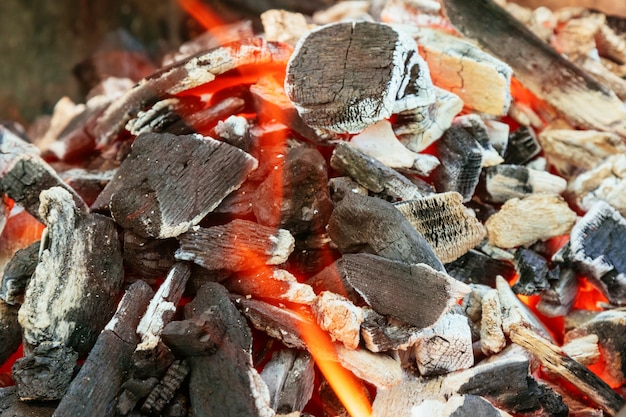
{"x":94,"y":390}
{"x":168,"y":183}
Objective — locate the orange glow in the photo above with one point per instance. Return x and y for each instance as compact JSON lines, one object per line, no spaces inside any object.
{"x":588,"y":296}
{"x":202,"y":14}
{"x":600,"y":368}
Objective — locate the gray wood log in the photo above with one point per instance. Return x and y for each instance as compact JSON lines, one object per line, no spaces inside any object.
{"x":169,"y":183}
{"x":184,"y":75}
{"x":540,"y":68}
{"x":93,"y":391}
{"x":368,"y":224}
{"x":72,"y":294}
{"x":415,"y":294}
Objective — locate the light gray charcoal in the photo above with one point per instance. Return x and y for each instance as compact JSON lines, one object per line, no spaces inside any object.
{"x":500,"y":183}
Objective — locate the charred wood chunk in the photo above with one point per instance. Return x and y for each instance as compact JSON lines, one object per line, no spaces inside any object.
{"x":368,"y":224}
{"x":87,"y":183}
{"x":558,"y":300}
{"x":380,"y":334}
{"x":234,"y":130}
{"x":339,"y":317}
{"x":372,"y":174}
{"x":165,"y":390}
{"x":492,"y":339}
{"x":73,"y":292}
{"x":532,"y":269}
{"x":447,"y":225}
{"x":164,"y":114}
{"x":11,"y":405}
{"x":206,"y":119}
{"x":459,"y":406}
{"x":393,"y":288}
{"x":24,"y":174}
{"x":289,"y":376}
{"x":522,"y":146}
{"x":382,"y":370}
{"x":461,"y":161}
{"x":333,"y":278}
{"x":146,"y":257}
{"x":597,"y":246}
{"x":169,"y":183}
{"x":184,"y":75}
{"x":197,"y":336}
{"x":225,"y":383}
{"x":476,"y":267}
{"x":10,"y":331}
{"x":235,"y":246}
{"x":500,"y":183}
{"x":329,"y":76}
{"x":268,"y":283}
{"x":46,"y":372}
{"x":303,"y":202}
{"x":134,"y":390}
{"x":17,"y":273}
{"x":93,"y":391}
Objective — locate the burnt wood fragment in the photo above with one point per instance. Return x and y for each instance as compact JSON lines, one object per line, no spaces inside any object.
{"x":502,"y":182}
{"x":269,"y":283}
{"x":134,"y":390}
{"x":382,"y":370}
{"x":333,"y":278}
{"x":459,"y":406}
{"x":367,"y":224}
{"x":196,"y":336}
{"x":87,"y":183}
{"x":492,"y":339}
{"x":72,"y":294}
{"x":532,"y":269}
{"x":558,"y":300}
{"x":235,"y":246}
{"x":17,"y":273}
{"x":225,"y":383}
{"x":10,"y":331}
{"x":12,"y":406}
{"x":163,"y":114}
{"x":461,"y":162}
{"x":329,"y":75}
{"x":475,"y":267}
{"x":165,"y":390}
{"x":522,"y":146}
{"x":295,"y":197}
{"x":234,"y":130}
{"x":169,"y":183}
{"x":94,"y":389}
{"x":336,"y":315}
{"x":289,"y":376}
{"x":372,"y":174}
{"x":597,"y":246}
{"x":540,"y":68}
{"x":393,"y":288}
{"x":184,"y":75}
{"x":380,"y":334}
{"x":148,"y":258}
{"x":203,"y":120}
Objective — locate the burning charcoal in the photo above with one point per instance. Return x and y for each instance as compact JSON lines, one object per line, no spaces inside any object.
{"x":329,"y":76}
{"x":269,"y":283}
{"x":85,"y":283}
{"x":583,"y":349}
{"x":372,"y":174}
{"x":164,"y":391}
{"x":339,"y":317}
{"x":418,"y":128}
{"x":532,"y":269}
{"x":571,"y":151}
{"x":392,"y":288}
{"x":500,"y":183}
{"x":605,"y":182}
{"x":183,"y":75}
{"x":380,"y":370}
{"x":164,"y":114}
{"x":45,"y":374}
{"x":535,"y":217}
{"x":368,"y":224}
{"x":148,"y":258}
{"x":596,"y":245}
{"x":11,"y":405}
{"x":10,"y":331}
{"x":93,"y":391}
{"x":380,"y":334}
{"x":333,"y":279}
{"x":304,"y":203}
{"x":522,"y":146}
{"x":480,"y":80}
{"x":379,"y":141}
{"x":234,"y":131}
{"x":461,"y":161}
{"x":492,"y":339}
{"x":17,"y":273}
{"x":447,"y":225}
{"x":554,"y":359}
{"x":608,"y":327}
{"x":289,"y":376}
{"x":156,"y":191}
{"x":558,"y":300}
{"x":540,"y":68}
{"x":445,"y":347}
{"x":235,"y":246}
{"x":477,"y":127}
{"x":458,"y":405}
{"x":205,"y":119}
{"x":478,"y":268}
{"x":88,"y":184}
{"x":227,"y":374}
{"x":24,"y":175}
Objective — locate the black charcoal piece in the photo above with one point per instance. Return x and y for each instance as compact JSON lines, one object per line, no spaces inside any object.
{"x":532,"y":269}
{"x":522,"y":147}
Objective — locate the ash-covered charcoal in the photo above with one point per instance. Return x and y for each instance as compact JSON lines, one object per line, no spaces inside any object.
{"x":522,"y":146}
{"x":206,"y":119}
{"x":461,"y":159}
{"x":532,"y":269}
{"x":605,"y":182}
{"x":11,"y":405}
{"x":597,"y":246}
{"x":270,"y":283}
{"x":371,"y":225}
{"x":234,"y":130}
{"x":165,"y":113}
{"x":329,"y":76}
{"x":381,"y":334}
{"x":295,"y":197}
{"x":476,"y":267}
{"x":559,"y":299}
{"x":17,"y":273}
